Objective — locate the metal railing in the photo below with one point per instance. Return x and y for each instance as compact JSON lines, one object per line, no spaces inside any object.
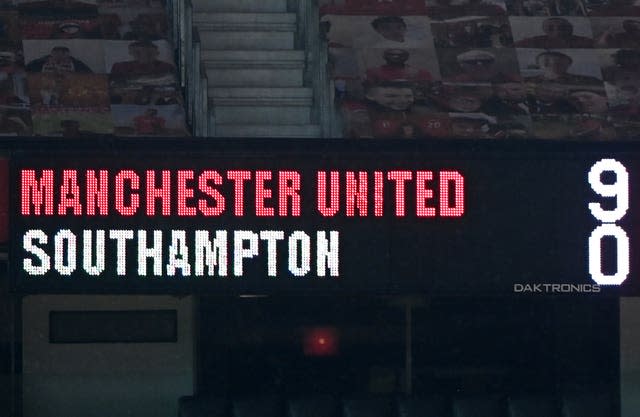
{"x":181,"y":12}
{"x":192,"y":76}
{"x":197,"y":86}
{"x":317,"y":71}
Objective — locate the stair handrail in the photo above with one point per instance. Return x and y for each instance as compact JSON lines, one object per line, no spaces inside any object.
{"x":196,"y":83}
{"x":186,"y":52}
{"x":177,"y":11}
{"x":206,"y":114}
{"x":172,"y":14}
{"x":317,"y":71}
{"x":188,"y":39}
{"x":192,"y":75}
{"x":193,"y":82}
{"x":198,"y":94}
{"x":183,"y":40}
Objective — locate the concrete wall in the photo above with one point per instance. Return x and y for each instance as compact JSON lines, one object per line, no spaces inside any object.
{"x":630,"y":356}
{"x":97,"y":380}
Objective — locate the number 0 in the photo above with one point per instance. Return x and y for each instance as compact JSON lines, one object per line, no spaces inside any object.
{"x":622,"y":254}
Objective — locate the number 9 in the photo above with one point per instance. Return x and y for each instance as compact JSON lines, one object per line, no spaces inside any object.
{"x":619,"y":189}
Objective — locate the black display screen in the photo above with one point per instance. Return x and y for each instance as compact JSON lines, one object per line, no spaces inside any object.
{"x":501,"y":220}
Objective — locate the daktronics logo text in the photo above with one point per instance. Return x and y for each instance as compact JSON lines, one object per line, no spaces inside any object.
{"x":556,"y":288}
{"x":161,"y":199}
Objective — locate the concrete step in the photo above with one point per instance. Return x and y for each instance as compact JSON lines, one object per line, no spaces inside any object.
{"x":233,"y":77}
{"x":246,"y":40}
{"x":254,"y":68}
{"x":245,"y":22}
{"x":265,"y":6}
{"x":267,"y":131}
{"x":262,"y":96}
{"x":246,"y":31}
{"x":253,"y":59}
{"x":256,"y":115}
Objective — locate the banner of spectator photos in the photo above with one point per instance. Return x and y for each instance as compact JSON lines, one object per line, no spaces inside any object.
{"x":546,"y":69}
{"x":79,"y":68}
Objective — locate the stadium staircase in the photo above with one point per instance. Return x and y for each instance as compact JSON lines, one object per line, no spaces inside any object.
{"x":265,"y":63}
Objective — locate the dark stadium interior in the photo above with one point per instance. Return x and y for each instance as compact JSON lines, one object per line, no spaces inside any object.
{"x":465,"y":347}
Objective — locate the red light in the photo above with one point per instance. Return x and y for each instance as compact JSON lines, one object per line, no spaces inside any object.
{"x":320,"y":341}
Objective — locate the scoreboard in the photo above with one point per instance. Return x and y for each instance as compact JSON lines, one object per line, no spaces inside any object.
{"x":374,"y":217}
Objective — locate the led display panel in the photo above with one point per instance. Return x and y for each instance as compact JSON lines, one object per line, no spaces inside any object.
{"x":503,"y":220}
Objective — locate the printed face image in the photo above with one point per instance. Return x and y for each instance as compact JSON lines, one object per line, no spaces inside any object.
{"x":396,"y":56}
{"x":472,"y":32}
{"x":616,"y":32}
{"x":557,"y":28}
{"x":143,"y":54}
{"x":589,"y":101}
{"x":464,"y":103}
{"x":463,"y":98}
{"x":467,"y":128}
{"x":64,"y":55}
{"x":479,"y":69}
{"x":549,"y":92}
{"x":59,"y":55}
{"x":555,"y":64}
{"x":395,"y":98}
{"x":478,"y":66}
{"x":392,"y":30}
{"x":511,"y":91}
